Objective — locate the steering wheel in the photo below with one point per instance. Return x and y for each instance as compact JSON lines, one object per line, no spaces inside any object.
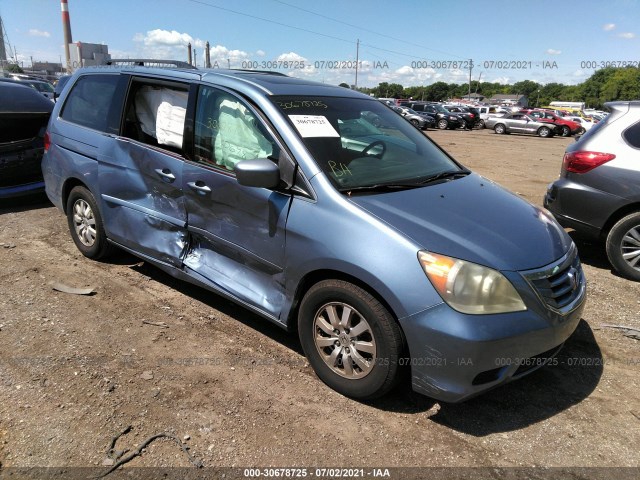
{"x":371,"y":146}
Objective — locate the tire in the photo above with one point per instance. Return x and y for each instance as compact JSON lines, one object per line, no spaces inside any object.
{"x":545,"y":132}
{"x":581,"y":131}
{"x":415,"y":123}
{"x":500,"y":129}
{"x":624,"y":239}
{"x":366,"y":372}
{"x":481,"y":123}
{"x":463,"y":125}
{"x":85,"y":224}
{"x":443,"y":124}
{"x":566,"y":131}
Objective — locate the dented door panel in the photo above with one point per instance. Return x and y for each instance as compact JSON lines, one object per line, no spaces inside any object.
{"x":143,"y":203}
{"x":238,"y":236}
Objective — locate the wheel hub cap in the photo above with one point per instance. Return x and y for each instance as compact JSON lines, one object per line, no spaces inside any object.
{"x":344,"y":340}
{"x":84,"y":223}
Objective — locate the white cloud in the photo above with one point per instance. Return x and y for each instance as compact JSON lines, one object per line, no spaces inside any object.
{"x":261,"y":53}
{"x":607,"y":27}
{"x":627,"y":35}
{"x":551,"y":51}
{"x":166,"y":37}
{"x":34,"y":32}
{"x":291,"y":57}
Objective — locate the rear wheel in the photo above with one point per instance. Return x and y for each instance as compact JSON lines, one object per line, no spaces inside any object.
{"x":351,"y":340}
{"x":499,"y":128}
{"x":544,"y":132}
{"x":623,"y":246}
{"x":85,"y":224}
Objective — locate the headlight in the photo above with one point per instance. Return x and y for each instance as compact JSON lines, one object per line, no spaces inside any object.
{"x":468,"y":287}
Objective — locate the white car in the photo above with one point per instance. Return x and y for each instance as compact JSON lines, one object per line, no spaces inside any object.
{"x":584,"y":123}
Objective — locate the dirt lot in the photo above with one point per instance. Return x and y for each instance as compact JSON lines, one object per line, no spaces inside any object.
{"x":76,"y":370}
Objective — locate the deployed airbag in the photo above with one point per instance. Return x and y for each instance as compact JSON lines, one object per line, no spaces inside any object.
{"x":161,"y":113}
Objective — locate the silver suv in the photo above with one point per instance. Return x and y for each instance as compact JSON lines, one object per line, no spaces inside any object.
{"x":598,"y":192}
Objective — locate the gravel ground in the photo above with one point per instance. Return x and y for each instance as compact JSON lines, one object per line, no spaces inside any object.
{"x":75,"y":370}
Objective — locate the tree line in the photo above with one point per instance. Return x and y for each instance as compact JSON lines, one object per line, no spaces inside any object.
{"x":605,"y":85}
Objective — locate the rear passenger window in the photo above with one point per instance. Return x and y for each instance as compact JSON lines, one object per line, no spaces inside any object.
{"x":89,"y":101}
{"x":632,"y":135}
{"x":155,"y":114}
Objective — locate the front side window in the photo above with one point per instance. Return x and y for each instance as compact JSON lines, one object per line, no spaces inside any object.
{"x":361,"y":144}
{"x":89,"y":101}
{"x":227,"y":131}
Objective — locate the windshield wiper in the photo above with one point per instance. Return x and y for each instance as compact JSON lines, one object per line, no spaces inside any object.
{"x":379,"y":187}
{"x":446,"y":175}
{"x":394,"y":186}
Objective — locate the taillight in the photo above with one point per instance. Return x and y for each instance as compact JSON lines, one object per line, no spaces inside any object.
{"x":47,"y":141}
{"x":583,"y":162}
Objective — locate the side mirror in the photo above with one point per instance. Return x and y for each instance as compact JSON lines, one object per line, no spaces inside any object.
{"x":260,"y":172}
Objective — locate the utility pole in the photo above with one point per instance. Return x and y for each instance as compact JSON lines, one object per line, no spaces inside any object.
{"x":470,"y":68}
{"x":195,"y":61}
{"x":357,"y":58}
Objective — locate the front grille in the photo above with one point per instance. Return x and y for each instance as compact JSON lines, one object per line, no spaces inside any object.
{"x":560,"y":284}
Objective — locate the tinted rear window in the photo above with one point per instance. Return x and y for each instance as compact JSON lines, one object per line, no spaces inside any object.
{"x":632,"y":135}
{"x":89,"y":100}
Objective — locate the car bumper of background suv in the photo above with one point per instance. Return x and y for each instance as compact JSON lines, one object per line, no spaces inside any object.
{"x":454,"y":356}
{"x":581,"y":207}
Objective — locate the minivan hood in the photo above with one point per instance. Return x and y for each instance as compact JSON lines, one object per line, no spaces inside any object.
{"x":473,"y":219}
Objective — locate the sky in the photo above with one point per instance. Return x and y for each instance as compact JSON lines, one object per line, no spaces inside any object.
{"x":411,"y":42}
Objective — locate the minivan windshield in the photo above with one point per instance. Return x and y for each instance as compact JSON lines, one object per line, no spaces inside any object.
{"x":363,"y":145}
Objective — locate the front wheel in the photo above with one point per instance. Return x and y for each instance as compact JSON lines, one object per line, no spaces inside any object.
{"x":623,"y":246}
{"x":85,"y":224}
{"x":566,"y":131}
{"x":443,"y":124}
{"x":415,"y":122}
{"x":544,"y":132}
{"x":351,"y":340}
{"x":480,"y":123}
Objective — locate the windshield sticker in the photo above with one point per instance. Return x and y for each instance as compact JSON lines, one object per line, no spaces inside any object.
{"x":313,"y":126}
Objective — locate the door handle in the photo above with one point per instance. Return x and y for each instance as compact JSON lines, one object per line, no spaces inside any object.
{"x":166,"y":174}
{"x":199,"y":186}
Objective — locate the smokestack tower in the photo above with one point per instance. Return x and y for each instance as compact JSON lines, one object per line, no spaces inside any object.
{"x":207,"y":56}
{"x":189,"y":49}
{"x":66,"y":27}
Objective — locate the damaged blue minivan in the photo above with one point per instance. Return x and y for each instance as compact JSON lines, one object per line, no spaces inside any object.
{"x":321,"y":210}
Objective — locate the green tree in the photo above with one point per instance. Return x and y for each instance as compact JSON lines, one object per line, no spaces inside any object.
{"x":525,"y":87}
{"x":624,"y":84}
{"x":345,"y":85}
{"x":438,"y":91}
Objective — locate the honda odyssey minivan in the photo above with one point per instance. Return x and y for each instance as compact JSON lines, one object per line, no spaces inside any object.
{"x":380,"y":250}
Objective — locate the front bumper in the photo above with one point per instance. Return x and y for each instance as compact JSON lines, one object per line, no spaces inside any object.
{"x":454,"y":356}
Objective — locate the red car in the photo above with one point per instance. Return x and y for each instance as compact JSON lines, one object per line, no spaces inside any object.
{"x":567,"y":127}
